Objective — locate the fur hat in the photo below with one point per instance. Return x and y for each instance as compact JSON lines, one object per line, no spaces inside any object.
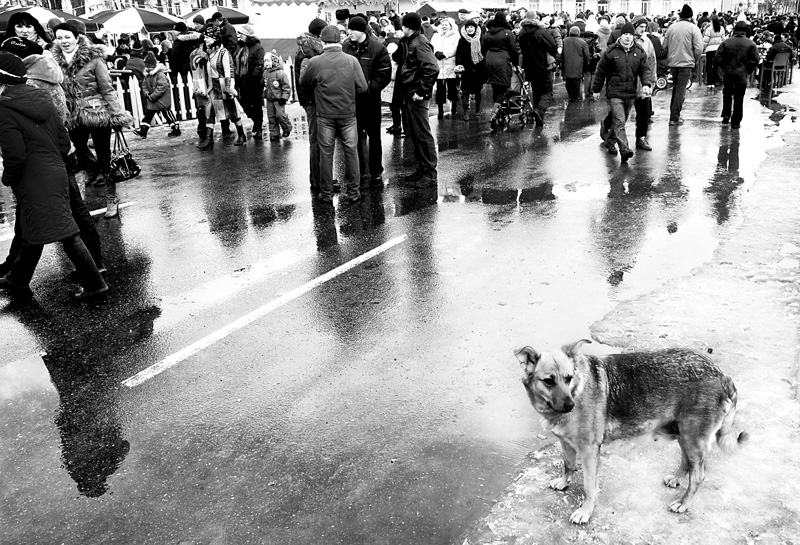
{"x":342,"y":14}
{"x":41,"y":69}
{"x":150,"y":60}
{"x":357,"y":23}
{"x":686,"y":12}
{"x":412,"y":21}
{"x":627,"y":28}
{"x":574,"y":31}
{"x":247,"y":30}
{"x":21,"y":47}
{"x":180,"y":27}
{"x":12,"y":69}
{"x":330,"y":35}
{"x":316,"y":26}
{"x":76,"y":26}
{"x":639,"y":20}
{"x":198,"y":19}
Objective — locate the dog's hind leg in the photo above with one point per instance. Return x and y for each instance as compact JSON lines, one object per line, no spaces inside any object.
{"x":590,"y":460}
{"x":569,"y":456}
{"x":674,"y":481}
{"x":695,"y":452}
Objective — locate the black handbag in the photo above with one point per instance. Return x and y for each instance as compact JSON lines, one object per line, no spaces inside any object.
{"x":123,"y":165}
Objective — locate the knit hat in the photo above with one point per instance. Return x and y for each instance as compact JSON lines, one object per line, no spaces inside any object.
{"x":213,"y":32}
{"x":574,"y":31}
{"x":21,"y":47}
{"x":12,"y":69}
{"x":316,"y":26}
{"x":330,"y":34}
{"x":740,"y":26}
{"x":412,"y":21}
{"x":639,"y":20}
{"x":247,"y":30}
{"x":342,"y":14}
{"x":357,"y":23}
{"x":274,"y":59}
{"x":627,"y":28}
{"x":76,"y":26}
{"x":150,"y":60}
{"x":470,"y":22}
{"x":686,"y":12}
{"x":180,"y":27}
{"x":199,"y":19}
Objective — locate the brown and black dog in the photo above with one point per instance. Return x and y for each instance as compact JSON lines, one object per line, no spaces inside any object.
{"x":589,"y":400}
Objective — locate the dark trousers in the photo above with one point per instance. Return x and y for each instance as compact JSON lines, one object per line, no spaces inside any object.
{"x":169,"y":116}
{"x":711,"y":68}
{"x":29,"y":255}
{"x":499,"y":93}
{"x":313,"y":145}
{"x":680,"y":79}
{"x":541,"y":90}
{"x":370,"y":151}
{"x":252,"y":101}
{"x":573,"y":86}
{"x":419,"y":129}
{"x":101,"y":137}
{"x":733,"y":96}
{"x":644,"y":108}
{"x":446,"y":89}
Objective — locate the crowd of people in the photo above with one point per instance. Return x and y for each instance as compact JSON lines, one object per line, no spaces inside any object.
{"x":58,"y":80}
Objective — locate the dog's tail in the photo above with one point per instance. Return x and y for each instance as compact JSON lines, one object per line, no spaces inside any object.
{"x":729,"y":436}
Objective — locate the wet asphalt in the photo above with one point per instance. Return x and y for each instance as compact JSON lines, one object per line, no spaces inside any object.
{"x":379,"y":406}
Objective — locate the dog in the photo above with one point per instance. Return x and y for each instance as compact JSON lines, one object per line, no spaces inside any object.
{"x":589,"y":400}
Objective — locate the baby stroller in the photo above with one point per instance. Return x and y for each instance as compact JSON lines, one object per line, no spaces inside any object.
{"x":518,"y":101}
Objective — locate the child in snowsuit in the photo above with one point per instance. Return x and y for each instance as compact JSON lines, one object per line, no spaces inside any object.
{"x":158,"y":92}
{"x":277,"y":90}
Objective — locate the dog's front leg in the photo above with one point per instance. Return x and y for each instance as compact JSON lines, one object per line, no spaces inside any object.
{"x":569,"y":455}
{"x":590,"y":459}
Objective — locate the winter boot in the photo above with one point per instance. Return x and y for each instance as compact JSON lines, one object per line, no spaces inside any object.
{"x":453,"y":109}
{"x":176,"y":130}
{"x":441,"y":111}
{"x":241,"y":137}
{"x":142,"y":130}
{"x":112,"y":208}
{"x":465,"y":104}
{"x":642,"y":143}
{"x":495,"y":113}
{"x":257,"y":133}
{"x":208,"y":142}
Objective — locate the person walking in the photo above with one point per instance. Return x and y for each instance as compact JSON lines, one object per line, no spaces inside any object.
{"x":643,"y":103}
{"x":34,"y":142}
{"x":469,"y":65}
{"x":621,"y":67}
{"x":445,"y":44}
{"x":683,"y":43}
{"x":537,"y":44}
{"x":277,"y":91}
{"x":376,"y":65}
{"x":336,"y":79}
{"x":416,"y":74}
{"x":501,"y":52}
{"x":156,"y":89}
{"x":575,"y":58}
{"x":737,"y":57}
{"x":182,"y":46}
{"x":309,"y":46}
{"x":712,"y":37}
{"x":92,"y":101}
{"x":249,"y":62}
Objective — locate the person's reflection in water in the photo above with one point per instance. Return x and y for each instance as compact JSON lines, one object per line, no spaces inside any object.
{"x":324,"y":225}
{"x":408,"y":201}
{"x":725,"y":181}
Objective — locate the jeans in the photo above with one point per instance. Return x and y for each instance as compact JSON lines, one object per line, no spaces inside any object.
{"x":370,"y":151}
{"x":733,"y":95}
{"x":643,"y":108}
{"x":313,"y":146}
{"x":620,"y":110}
{"x":680,"y":78}
{"x":327,"y":131}
{"x":419,"y":129}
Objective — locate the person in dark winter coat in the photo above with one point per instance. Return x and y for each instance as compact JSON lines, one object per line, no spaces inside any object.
{"x":227,"y":32}
{"x":277,"y":91}
{"x":156,"y":90}
{"x":621,"y":68}
{"x":309,"y":46}
{"x":34,"y":143}
{"x":416,"y":74}
{"x":377,"y":68}
{"x":135,"y":63}
{"x":249,"y":60}
{"x":501,"y":52}
{"x":182,"y":46}
{"x":538,"y":48}
{"x":469,"y":64}
{"x":575,"y":58}
{"x":737,"y":57}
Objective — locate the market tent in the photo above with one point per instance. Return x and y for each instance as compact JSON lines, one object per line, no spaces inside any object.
{"x":426,"y":10}
{"x":132,"y":20}
{"x":233,"y":16}
{"x":43,"y":16}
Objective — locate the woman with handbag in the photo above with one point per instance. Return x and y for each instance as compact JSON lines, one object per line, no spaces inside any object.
{"x":92,"y":101}
{"x":217,"y":72}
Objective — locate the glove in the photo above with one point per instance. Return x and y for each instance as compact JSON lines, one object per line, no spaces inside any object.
{"x":439,"y":55}
{"x":281,"y":101}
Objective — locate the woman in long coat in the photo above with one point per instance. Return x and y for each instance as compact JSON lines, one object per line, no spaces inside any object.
{"x":34,"y":142}
{"x":445,"y":44}
{"x":501,"y":52}
{"x":469,"y":64}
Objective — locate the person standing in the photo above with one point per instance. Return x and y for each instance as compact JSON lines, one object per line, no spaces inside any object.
{"x":156,"y":89}
{"x":309,"y":46}
{"x":575,"y":59}
{"x":417,"y":71}
{"x":249,"y":62}
{"x":737,"y":57}
{"x":445,"y":44}
{"x":644,"y":102}
{"x":536,"y":44}
{"x":501,"y":52}
{"x":183,"y":45}
{"x":712,"y":37}
{"x":620,"y":69}
{"x":34,"y":142}
{"x":377,"y":68}
{"x":469,"y":64}
{"x":683,"y":43}
{"x":277,"y":90}
{"x":335,"y":78}
{"x":227,"y":32}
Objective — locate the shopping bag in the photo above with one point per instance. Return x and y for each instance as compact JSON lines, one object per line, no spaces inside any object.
{"x":123,"y":165}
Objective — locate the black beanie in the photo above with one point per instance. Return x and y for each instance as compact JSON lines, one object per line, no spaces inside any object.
{"x":627,"y":28}
{"x":21,"y":47}
{"x":342,"y":14}
{"x":357,"y":23}
{"x":12,"y":69}
{"x":180,"y":27}
{"x":686,"y":12}
{"x":412,"y":21}
{"x":315,"y":27}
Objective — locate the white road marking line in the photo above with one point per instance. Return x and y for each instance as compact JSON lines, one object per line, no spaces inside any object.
{"x":9,"y":236}
{"x":247,"y":319}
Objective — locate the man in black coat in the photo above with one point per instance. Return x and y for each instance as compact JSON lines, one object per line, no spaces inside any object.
{"x":535,"y":44}
{"x":227,"y":31}
{"x":182,"y":46}
{"x":737,"y":57}
{"x":377,"y":66}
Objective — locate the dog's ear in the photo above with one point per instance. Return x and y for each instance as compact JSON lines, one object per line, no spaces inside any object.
{"x":528,"y":357}
{"x":573,"y":349}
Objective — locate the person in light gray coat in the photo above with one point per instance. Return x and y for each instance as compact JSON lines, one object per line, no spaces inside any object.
{"x":683,"y":42}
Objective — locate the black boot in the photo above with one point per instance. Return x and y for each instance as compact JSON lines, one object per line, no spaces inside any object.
{"x":142,"y":130}
{"x":176,"y":130}
{"x":242,"y":138}
{"x":441,"y":111}
{"x":208,"y":142}
{"x":94,"y":286}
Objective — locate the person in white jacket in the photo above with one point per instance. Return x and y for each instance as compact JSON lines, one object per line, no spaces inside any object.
{"x":445,"y":44}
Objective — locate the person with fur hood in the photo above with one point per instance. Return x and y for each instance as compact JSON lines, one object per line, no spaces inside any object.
{"x":469,"y":64}
{"x":277,"y":91}
{"x":445,"y":44}
{"x":94,"y":110}
{"x":157,"y":91}
{"x":309,"y":45}
{"x":603,"y":34}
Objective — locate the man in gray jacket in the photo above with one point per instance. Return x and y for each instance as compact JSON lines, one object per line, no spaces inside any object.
{"x":683,"y":42}
{"x":335,"y":78}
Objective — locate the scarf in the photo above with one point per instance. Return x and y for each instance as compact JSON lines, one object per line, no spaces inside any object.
{"x":474,"y":44}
